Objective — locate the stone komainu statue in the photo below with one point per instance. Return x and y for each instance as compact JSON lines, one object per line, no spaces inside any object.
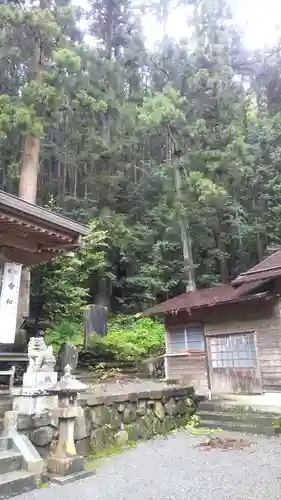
{"x":40,"y":356}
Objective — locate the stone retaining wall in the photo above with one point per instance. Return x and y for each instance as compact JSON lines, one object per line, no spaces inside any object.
{"x":115,"y":419}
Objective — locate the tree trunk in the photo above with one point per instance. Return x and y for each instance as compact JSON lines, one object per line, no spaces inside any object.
{"x":28,"y":182}
{"x":185,"y":239}
{"x":27,"y":191}
{"x":183,"y":221}
{"x":259,"y":245}
{"x":220,"y":237}
{"x":108,"y":35}
{"x":29,"y":169}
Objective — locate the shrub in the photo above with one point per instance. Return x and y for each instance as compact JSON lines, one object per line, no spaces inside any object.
{"x":108,"y":349}
{"x":129,"y":338}
{"x":60,"y":288}
{"x":63,"y":332}
{"x":144,"y":334}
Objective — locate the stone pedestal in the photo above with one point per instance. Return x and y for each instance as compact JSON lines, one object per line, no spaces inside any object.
{"x":64,"y":464}
{"x":33,"y":397}
{"x":34,"y":402}
{"x":39,"y":380}
{"x":68,"y":466}
{"x":64,"y":460}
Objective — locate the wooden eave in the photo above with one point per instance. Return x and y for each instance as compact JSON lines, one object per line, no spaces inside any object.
{"x":30,"y":234}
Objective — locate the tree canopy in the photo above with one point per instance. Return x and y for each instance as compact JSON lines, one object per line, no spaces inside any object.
{"x":174,"y":152}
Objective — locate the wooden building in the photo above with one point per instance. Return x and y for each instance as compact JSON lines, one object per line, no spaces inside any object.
{"x":29,"y":235}
{"x":227,"y":339}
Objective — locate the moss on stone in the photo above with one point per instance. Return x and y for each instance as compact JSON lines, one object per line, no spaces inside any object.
{"x":114,"y":418}
{"x":159,"y":410}
{"x":171,"y":407}
{"x":168,"y":424}
{"x":140,"y":421}
{"x":101,"y":437}
{"x":137,"y":430}
{"x":157,"y":427}
{"x":130,"y":413}
{"x":181,"y":420}
{"x":148,"y":422}
{"x":95,"y":456}
{"x":141,"y":408}
{"x":100,"y":416}
{"x":42,"y":486}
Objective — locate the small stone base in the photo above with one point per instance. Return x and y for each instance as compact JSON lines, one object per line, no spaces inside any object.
{"x":61,"y":480}
{"x":39,"y":380}
{"x":28,"y":403}
{"x":65,"y":466}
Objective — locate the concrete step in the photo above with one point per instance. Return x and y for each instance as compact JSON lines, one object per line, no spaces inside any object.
{"x":10,"y":460}
{"x":6,"y":444}
{"x":223,"y":416}
{"x":16,"y":483}
{"x":5,"y":405}
{"x":228,"y":415}
{"x":242,"y":427}
{"x":231,"y":407}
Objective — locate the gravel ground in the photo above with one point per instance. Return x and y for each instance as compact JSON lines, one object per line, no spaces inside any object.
{"x":173,"y":468}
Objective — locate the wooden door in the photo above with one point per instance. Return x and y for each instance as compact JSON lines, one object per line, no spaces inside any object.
{"x":233,"y":363}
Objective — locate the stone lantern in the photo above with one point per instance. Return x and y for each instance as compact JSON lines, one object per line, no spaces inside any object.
{"x":64,"y":463}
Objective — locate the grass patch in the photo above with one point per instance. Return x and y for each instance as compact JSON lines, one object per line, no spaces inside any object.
{"x":92,"y":464}
{"x":198,"y":431}
{"x":96,"y":456}
{"x":43,"y":485}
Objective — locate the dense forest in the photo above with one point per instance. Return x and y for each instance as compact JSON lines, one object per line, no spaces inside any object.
{"x":171,"y":155}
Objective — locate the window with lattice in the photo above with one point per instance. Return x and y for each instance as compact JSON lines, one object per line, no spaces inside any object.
{"x":186,"y":338}
{"x":233,"y":351}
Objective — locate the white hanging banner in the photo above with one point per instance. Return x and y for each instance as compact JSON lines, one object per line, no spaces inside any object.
{"x":9,"y":297}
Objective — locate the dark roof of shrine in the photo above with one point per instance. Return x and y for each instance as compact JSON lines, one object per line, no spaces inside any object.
{"x":207,"y":297}
{"x":30,"y":234}
{"x":266,"y":269}
{"x":17,"y":206}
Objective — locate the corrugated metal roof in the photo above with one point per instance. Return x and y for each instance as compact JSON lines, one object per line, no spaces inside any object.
{"x":266,"y":269}
{"x":207,"y":297}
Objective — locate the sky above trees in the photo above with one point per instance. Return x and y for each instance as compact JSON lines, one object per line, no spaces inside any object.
{"x":259,"y":20}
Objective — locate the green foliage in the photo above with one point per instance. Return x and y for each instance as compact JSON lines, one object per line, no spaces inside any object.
{"x":64,"y":332}
{"x":130,"y":338}
{"x":193,"y":422}
{"x":115,"y":349}
{"x":162,"y":108}
{"x":145,"y":333}
{"x":65,"y":58}
{"x":60,"y":288}
{"x":277,"y":426}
